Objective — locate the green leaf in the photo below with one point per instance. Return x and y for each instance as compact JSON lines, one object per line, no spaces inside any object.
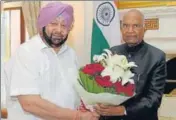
{"x":123,"y":94}
{"x":110,"y":90}
{"x":82,"y":79}
{"x":90,"y":84}
{"x":97,"y":88}
{"x":80,"y":82}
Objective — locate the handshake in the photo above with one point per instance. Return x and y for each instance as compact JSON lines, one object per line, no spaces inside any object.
{"x":99,"y":109}
{"x":85,"y":114}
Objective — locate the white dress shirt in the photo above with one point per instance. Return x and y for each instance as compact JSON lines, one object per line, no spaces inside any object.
{"x":36,"y":69}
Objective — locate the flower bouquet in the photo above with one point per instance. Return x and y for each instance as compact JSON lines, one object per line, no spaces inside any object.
{"x":108,"y":80}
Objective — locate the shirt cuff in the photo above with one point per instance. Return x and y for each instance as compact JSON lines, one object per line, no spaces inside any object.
{"x":125,"y":113}
{"x":24,"y":91}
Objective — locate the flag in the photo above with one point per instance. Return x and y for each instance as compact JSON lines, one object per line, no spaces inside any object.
{"x":106,"y":26}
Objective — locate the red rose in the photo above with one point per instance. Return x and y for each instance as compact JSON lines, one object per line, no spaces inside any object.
{"x":98,"y":67}
{"x":103,"y":81}
{"x":88,"y":71}
{"x":127,"y":89}
{"x":118,"y":87}
{"x":92,"y":69}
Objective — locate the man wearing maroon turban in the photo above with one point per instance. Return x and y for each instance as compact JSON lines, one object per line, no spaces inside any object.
{"x":42,"y":72}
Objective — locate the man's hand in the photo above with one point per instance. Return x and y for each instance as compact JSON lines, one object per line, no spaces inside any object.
{"x":85,"y":113}
{"x":89,"y":116}
{"x":105,"y":110}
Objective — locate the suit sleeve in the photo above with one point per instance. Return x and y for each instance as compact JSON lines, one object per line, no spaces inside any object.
{"x":152,"y":99}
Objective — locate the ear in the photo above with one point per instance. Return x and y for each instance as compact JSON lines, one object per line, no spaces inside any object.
{"x":145,"y":29}
{"x":71,"y":26}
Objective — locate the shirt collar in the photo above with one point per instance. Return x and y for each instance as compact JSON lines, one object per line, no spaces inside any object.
{"x":64,"y":47}
{"x":41,"y":43}
{"x":134,"y":48}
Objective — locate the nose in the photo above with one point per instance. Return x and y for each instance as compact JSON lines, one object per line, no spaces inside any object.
{"x":130,"y":29}
{"x":58,"y":29}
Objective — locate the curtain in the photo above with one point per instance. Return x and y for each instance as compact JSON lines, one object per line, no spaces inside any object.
{"x":30,"y":12}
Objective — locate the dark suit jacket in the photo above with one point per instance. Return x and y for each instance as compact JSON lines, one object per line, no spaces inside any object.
{"x":150,"y":77}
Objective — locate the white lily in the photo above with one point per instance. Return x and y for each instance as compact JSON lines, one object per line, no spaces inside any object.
{"x":127,"y":77}
{"x":100,"y":59}
{"x":97,"y":58}
{"x":109,"y":53}
{"x":116,"y":66}
{"x":103,"y":56}
{"x":114,"y":74}
{"x":122,"y":61}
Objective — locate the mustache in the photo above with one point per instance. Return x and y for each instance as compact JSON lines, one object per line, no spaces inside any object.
{"x":56,"y":36}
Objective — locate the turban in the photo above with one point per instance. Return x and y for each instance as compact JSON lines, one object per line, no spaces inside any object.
{"x":53,"y":10}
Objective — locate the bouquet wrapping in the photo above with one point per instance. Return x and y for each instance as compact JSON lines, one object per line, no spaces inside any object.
{"x":108,"y":80}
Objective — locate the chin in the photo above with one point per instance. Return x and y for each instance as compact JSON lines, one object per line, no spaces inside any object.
{"x":131,"y":41}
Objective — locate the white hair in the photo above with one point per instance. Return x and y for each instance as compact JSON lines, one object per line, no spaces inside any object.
{"x":136,"y":11}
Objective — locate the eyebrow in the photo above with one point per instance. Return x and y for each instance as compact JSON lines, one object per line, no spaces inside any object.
{"x":132,"y":23}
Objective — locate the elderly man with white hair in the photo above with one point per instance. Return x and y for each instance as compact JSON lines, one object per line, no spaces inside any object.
{"x":150,"y":75}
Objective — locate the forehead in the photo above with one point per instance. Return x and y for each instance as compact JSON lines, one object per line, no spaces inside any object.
{"x":59,"y":19}
{"x":132,"y":18}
